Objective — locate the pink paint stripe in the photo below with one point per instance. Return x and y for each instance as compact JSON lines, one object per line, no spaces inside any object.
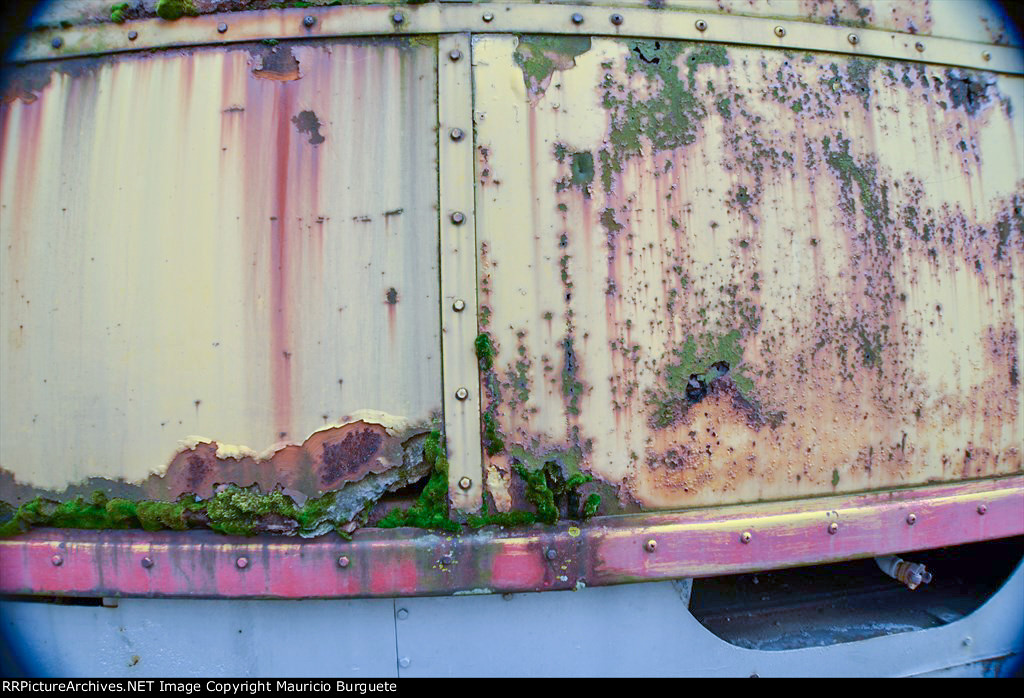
{"x":379,"y":563}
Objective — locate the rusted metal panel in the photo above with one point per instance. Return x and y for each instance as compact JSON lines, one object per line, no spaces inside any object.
{"x":623,"y":549}
{"x":440,"y":18}
{"x":234,"y":247}
{"x":715,"y":275}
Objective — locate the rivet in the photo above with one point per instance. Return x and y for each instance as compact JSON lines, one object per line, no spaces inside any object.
{"x":982,"y":509}
{"x":147,"y":562}
{"x":780,"y":32}
{"x":461,"y":394}
{"x":986,"y":55}
{"x":221,"y":28}
{"x":833,"y":528}
{"x":457,"y":134}
{"x":402,"y":614}
{"x":967,"y":641}
{"x":853,"y":39}
{"x":459,"y":305}
{"x":577,"y":18}
{"x":57,"y":560}
{"x":745,"y":538}
{"x":404,"y":662}
{"x":616,"y":19}
{"x":651,"y":545}
{"x":919,"y":46}
{"x":701,"y":25}
{"x":343,"y":561}
{"x":133,"y":35}
{"x":455,"y":54}
{"x":551,"y":554}
{"x":465,"y":483}
{"x":488,"y":17}
{"x":911,"y":519}
{"x":309,"y":20}
{"x":57,"y":42}
{"x":458,"y":218}
{"x":398,"y":18}
{"x":242,"y":563}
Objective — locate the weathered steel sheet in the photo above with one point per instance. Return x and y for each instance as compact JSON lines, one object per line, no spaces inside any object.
{"x":617,"y":550}
{"x":972,"y":20}
{"x":233,"y":245}
{"x":719,"y":275}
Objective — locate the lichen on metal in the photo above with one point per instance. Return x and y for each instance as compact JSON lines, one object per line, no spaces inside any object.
{"x":759,"y":214}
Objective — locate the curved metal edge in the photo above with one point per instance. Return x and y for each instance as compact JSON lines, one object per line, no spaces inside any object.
{"x":613,"y":550}
{"x":442,"y":18}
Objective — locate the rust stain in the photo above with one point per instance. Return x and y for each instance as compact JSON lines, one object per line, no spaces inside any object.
{"x":274,"y":63}
{"x":810,"y":279}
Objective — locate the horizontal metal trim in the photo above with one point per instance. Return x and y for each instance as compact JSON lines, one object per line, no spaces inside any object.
{"x":442,"y":18}
{"x":611,"y":550}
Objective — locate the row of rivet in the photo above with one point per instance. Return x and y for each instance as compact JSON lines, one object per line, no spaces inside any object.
{"x":398,"y":18}
{"x":240,"y":562}
{"x":833,"y":528}
{"x":650,"y":545}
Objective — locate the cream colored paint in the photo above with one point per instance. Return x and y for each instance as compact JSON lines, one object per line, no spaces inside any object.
{"x":832,"y":425}
{"x":136,"y":264}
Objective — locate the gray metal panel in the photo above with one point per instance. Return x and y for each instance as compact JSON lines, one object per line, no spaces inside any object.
{"x":630,"y":630}
{"x":181,"y":638}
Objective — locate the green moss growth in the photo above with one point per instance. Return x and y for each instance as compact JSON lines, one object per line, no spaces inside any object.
{"x":175,"y":9}
{"x":431,"y":509}
{"x":547,"y":486}
{"x":493,"y":443}
{"x":117,"y":12}
{"x":872,"y":194}
{"x":591,"y":506}
{"x":509,"y":519}
{"x":484,"y":352}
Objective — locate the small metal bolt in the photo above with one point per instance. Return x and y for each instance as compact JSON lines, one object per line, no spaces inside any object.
{"x":402,"y":614}
{"x":457,"y":134}
{"x":968,"y":640}
{"x":458,"y":218}
{"x":745,"y":538}
{"x":488,"y":17}
{"x":701,"y":25}
{"x":919,"y":46}
{"x":461,"y":394}
{"x":455,"y":54}
{"x":551,"y":553}
{"x":343,"y":561}
{"x":309,"y":20}
{"x":242,"y":563}
{"x":982,"y":509}
{"x":577,"y":18}
{"x":398,"y":18}
{"x":853,"y":39}
{"x":133,"y":35}
{"x":911,"y":519}
{"x":833,"y":528}
{"x":616,"y":19}
{"x":57,"y":560}
{"x":459,"y":305}
{"x":147,"y":562}
{"x":651,"y":545}
{"x":57,"y":42}
{"x":986,"y":55}
{"x":465,"y":483}
{"x":404,"y":662}
{"x":221,"y":28}
{"x":780,"y":32}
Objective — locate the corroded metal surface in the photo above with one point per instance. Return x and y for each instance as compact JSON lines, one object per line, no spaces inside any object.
{"x":792,"y":31}
{"x":719,"y":275}
{"x":235,"y":246}
{"x":612,"y":551}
